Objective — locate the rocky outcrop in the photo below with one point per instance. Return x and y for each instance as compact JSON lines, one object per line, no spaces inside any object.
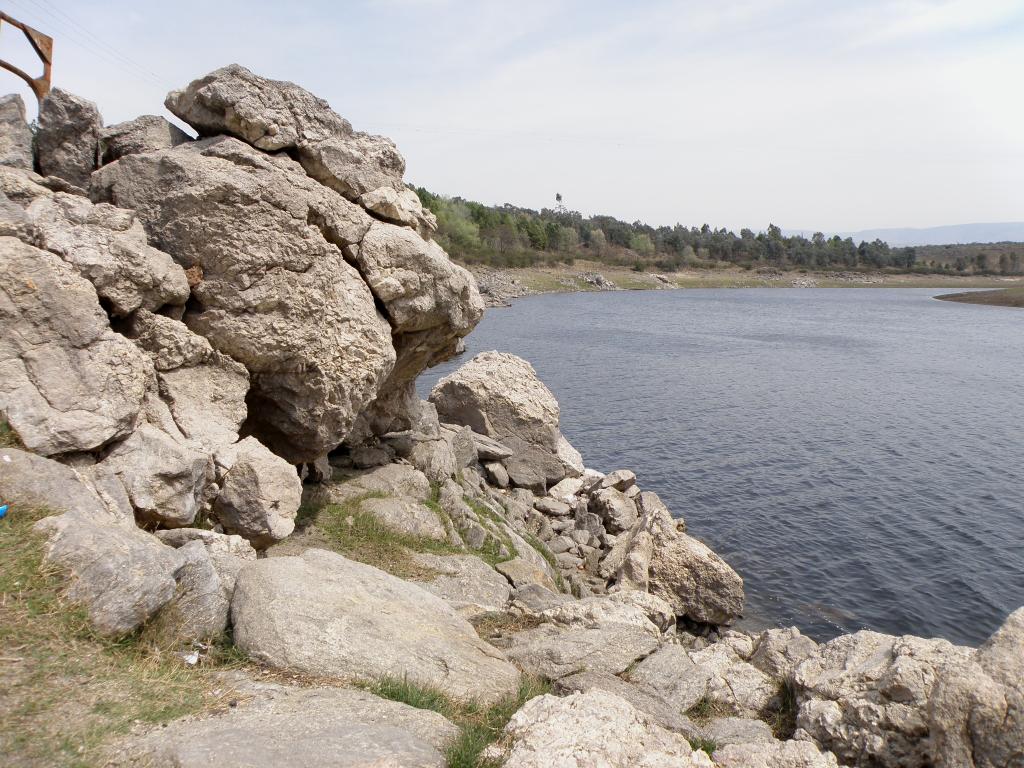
{"x":466,"y":583}
{"x":773,"y":754}
{"x":15,"y":135}
{"x":67,"y":141}
{"x":337,"y":628}
{"x":147,"y":133}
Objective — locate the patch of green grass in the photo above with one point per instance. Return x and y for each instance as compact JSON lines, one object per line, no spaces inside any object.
{"x":783,"y":719}
{"x":479,"y":726}
{"x":491,"y":552}
{"x":8,"y":437}
{"x":65,"y":691}
{"x":706,"y":745}
{"x":705,"y":710}
{"x":362,"y":536}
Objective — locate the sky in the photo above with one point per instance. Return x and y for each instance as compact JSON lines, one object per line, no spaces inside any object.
{"x":811,"y":114}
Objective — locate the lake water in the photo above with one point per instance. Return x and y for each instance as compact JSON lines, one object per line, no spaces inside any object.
{"x":857,"y":455}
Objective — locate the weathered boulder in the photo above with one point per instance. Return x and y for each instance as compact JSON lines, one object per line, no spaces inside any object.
{"x":29,"y":480}
{"x":601,"y":612}
{"x":572,"y":460}
{"x":229,"y":553}
{"x":671,"y":674}
{"x":779,"y":651}
{"x":271,"y":287}
{"x":15,"y":135}
{"x":107,"y":246}
{"x":313,"y":727}
{"x":337,"y":628}
{"x":620,"y":480}
{"x":199,"y":609}
{"x":406,"y":516}
{"x":596,"y":729}
{"x":499,"y":395}
{"x":260,"y":495}
{"x":68,"y":137}
{"x":661,"y":711}
{"x":773,"y":754}
{"x":121,"y":575}
{"x":655,"y":555}
{"x":274,"y":115}
{"x":616,"y":511}
{"x":554,"y":651}
{"x":737,"y":730}
{"x":399,"y":480}
{"x":976,"y":710}
{"x":522,"y":572}
{"x":466,"y":583}
{"x":67,"y":382}
{"x":733,"y":685}
{"x":864,"y":697}
{"x":146,"y":133}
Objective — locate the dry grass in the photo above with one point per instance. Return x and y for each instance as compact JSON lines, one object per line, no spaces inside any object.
{"x":8,"y":437}
{"x":496,"y":624}
{"x":65,"y":692}
{"x":706,"y":710}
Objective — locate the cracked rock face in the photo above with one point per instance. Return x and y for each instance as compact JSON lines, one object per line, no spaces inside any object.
{"x":276,"y":292}
{"x":15,"y":135}
{"x":67,"y":142}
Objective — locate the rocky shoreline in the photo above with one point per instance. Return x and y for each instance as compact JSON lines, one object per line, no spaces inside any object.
{"x":208,"y":353}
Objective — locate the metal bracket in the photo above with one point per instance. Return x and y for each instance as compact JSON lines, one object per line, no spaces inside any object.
{"x":43,"y":46}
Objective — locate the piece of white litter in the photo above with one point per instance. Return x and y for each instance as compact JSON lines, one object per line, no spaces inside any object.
{"x":7,"y":458}
{"x":191,"y":658}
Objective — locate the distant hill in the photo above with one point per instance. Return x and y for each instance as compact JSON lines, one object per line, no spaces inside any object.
{"x":998,"y":232}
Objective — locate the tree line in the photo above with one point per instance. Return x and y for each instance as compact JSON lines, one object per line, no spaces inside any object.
{"x":510,"y":236}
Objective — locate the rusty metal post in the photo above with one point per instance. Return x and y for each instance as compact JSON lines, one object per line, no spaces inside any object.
{"x":43,"y":46}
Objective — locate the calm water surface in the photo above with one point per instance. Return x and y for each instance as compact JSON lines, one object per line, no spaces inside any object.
{"x":856,"y":454}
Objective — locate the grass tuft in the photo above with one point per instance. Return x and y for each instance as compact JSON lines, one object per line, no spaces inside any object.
{"x":783,"y":719}
{"x":65,"y":691}
{"x":705,"y":710}
{"x":361,"y":536}
{"x":705,"y":745}
{"x":8,"y":437}
{"x":479,"y":726}
{"x":497,"y":623}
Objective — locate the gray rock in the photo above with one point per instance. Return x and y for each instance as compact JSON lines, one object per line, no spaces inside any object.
{"x":108,"y":247}
{"x":571,"y":459}
{"x":737,"y":730}
{"x":488,"y":449}
{"x":522,"y":572}
{"x":533,"y":599}
{"x":595,"y":729}
{"x":734,"y":685}
{"x":147,"y":133}
{"x":314,"y":727}
{"x":554,"y":651}
{"x":466,"y":583}
{"x":15,"y":135}
{"x":391,"y":479}
{"x":407,"y":517}
{"x":561,"y":544}
{"x":611,"y":505}
{"x":620,"y":480}
{"x":68,"y":137}
{"x":779,"y":651}
{"x":28,"y":480}
{"x":660,"y":711}
{"x":550,"y":506}
{"x":70,"y":384}
{"x":496,"y":474}
{"x":260,"y":495}
{"x":669,"y":673}
{"x":773,"y":754}
{"x":338,"y":628}
{"x":199,"y":610}
{"x":272,"y":287}
{"x":121,"y":576}
{"x":566,"y":490}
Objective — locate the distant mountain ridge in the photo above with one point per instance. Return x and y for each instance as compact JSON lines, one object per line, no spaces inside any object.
{"x":997,"y":232}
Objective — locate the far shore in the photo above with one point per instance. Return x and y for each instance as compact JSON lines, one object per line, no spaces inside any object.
{"x":1005,"y":297}
{"x":501,"y":285}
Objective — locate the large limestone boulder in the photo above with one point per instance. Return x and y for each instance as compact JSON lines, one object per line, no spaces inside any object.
{"x":270,"y":284}
{"x":278,"y":725}
{"x":29,"y":480}
{"x":670,"y":674}
{"x":68,"y":383}
{"x":864,"y":697}
{"x":778,"y":652}
{"x":596,"y":729}
{"x":147,"y":133}
{"x":107,"y":246}
{"x":121,"y":575}
{"x":274,"y":115}
{"x":361,"y":622}
{"x":554,"y":651}
{"x":199,"y":610}
{"x":733,"y":685}
{"x":15,"y":135}
{"x":260,"y":494}
{"x":67,"y":141}
{"x":466,"y":583}
{"x":655,"y":555}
